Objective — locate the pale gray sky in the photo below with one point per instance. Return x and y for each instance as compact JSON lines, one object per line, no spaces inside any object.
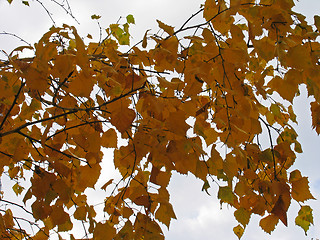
{"x":199,"y":215}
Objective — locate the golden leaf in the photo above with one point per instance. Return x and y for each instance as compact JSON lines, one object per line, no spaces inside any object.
{"x":122,"y":117}
{"x":269,"y":223}
{"x":300,"y":190}
{"x":168,"y":29}
{"x":109,"y":139}
{"x":104,"y":231}
{"x":242,"y":216}
{"x":238,"y":230}
{"x":165,"y":213}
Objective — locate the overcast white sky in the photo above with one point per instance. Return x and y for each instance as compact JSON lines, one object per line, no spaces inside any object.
{"x":199,"y":215}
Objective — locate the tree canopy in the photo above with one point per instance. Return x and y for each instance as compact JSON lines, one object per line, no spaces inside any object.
{"x":204,"y":99}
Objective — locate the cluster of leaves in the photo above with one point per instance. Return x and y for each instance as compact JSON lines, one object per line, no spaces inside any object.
{"x":173,"y":105}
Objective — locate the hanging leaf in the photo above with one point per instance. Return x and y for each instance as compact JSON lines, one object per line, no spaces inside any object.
{"x":168,"y":29}
{"x":269,"y":223}
{"x":304,"y":218}
{"x":238,"y":230}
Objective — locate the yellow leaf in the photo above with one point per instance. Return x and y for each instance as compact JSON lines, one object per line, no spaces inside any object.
{"x":225,"y":194}
{"x":265,"y":48}
{"x":269,"y":223}
{"x":168,"y":29}
{"x":238,"y":57}
{"x":17,"y":189}
{"x":165,"y":213}
{"x":304,"y":218}
{"x":300,"y":190}
{"x":121,"y":116}
{"x":300,"y":52}
{"x":242,"y":216}
{"x":238,"y":230}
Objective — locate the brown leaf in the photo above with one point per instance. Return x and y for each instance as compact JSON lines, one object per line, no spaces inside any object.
{"x":280,"y":210}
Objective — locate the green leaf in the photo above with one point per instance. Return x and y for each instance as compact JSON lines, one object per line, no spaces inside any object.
{"x":242,"y":216}
{"x":225,"y":194}
{"x":205,"y":187}
{"x":275,"y":109}
{"x":26,"y":3}
{"x":10,"y":1}
{"x":124,"y":39}
{"x":94,"y":16}
{"x":304,"y":218}
{"x":130,"y":19}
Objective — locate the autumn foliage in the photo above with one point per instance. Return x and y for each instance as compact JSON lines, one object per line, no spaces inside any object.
{"x":213,"y":100}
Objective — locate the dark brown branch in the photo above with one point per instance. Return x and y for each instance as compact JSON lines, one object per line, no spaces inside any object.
{"x":12,"y":105}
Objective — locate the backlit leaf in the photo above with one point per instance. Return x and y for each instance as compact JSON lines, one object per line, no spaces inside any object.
{"x":168,"y":29}
{"x":304,"y":218}
{"x":225,"y":194}
{"x":242,"y":216}
{"x":165,"y":213}
{"x":130,"y":19}
{"x":269,"y":223}
{"x":280,"y":210}
{"x":300,"y":190}
{"x":238,"y":230}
